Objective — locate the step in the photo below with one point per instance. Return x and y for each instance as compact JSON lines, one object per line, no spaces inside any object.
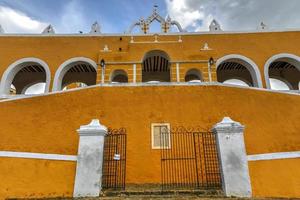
{"x":150,"y":193}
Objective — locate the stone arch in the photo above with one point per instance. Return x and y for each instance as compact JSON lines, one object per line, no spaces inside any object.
{"x":156,"y":66}
{"x":284,"y":67}
{"x":78,"y":69}
{"x":119,"y":76}
{"x":193,"y":74}
{"x":238,"y":67}
{"x":34,"y":69}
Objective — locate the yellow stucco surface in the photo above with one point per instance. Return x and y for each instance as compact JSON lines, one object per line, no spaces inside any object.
{"x":48,"y":124}
{"x":29,"y":178}
{"x":275,"y":178}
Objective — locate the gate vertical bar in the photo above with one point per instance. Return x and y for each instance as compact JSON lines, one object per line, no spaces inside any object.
{"x":195,"y":155}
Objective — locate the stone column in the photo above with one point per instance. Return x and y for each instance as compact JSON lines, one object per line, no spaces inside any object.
{"x":177,"y":72}
{"x":209,"y":72}
{"x":233,"y":158}
{"x":89,"y":162}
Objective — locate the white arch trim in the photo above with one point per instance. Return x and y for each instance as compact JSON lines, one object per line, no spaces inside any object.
{"x":15,"y":67}
{"x":277,"y":57}
{"x":253,"y":69}
{"x":64,"y":67}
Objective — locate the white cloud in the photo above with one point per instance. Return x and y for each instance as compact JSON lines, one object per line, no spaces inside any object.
{"x":179,"y":10}
{"x":14,"y":21}
{"x":235,"y":14}
{"x":73,"y":19}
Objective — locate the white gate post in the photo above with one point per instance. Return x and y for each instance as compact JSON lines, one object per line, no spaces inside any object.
{"x":233,"y":158}
{"x":89,"y":162}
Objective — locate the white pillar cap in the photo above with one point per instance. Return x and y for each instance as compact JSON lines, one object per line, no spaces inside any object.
{"x":227,"y":125}
{"x":93,"y":128}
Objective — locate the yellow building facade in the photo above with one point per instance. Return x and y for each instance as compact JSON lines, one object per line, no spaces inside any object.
{"x":135,"y":80}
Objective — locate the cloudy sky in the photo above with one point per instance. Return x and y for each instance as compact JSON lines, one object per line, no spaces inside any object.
{"x":115,"y":16}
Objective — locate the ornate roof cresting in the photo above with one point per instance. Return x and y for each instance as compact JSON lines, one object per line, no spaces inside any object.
{"x":1,"y":29}
{"x":49,"y":30}
{"x":95,"y":28}
{"x":214,"y":26}
{"x":166,"y":23}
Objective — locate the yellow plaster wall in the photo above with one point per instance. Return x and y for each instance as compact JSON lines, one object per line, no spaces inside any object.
{"x":29,"y":178}
{"x":48,"y":124}
{"x":275,"y":178}
{"x":257,"y":46}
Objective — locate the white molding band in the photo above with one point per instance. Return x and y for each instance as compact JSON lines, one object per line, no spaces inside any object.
{"x":43,"y":156}
{"x":274,"y":156}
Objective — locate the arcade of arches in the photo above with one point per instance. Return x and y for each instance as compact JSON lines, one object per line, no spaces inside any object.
{"x":283,"y":74}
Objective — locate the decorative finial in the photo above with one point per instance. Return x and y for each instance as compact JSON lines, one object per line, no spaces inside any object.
{"x":205,"y":47}
{"x":214,"y":26}
{"x":131,"y":39}
{"x":95,"y":28}
{"x":49,"y":30}
{"x":105,"y":49}
{"x":1,"y":29}
{"x":168,"y":18}
{"x":263,"y":26}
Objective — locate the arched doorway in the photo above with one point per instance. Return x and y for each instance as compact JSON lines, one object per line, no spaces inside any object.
{"x":193,"y":75}
{"x":240,"y":68}
{"x":24,"y":73}
{"x":156,"y":67}
{"x":75,"y":70}
{"x":119,"y":76}
{"x":282,"y":72}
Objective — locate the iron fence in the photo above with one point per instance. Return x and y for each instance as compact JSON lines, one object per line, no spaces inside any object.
{"x":189,"y":159}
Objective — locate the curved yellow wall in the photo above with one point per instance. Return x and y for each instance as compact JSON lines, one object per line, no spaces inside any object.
{"x":47,"y":124}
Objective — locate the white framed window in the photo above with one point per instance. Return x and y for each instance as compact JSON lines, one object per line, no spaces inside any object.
{"x":160,"y":135}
